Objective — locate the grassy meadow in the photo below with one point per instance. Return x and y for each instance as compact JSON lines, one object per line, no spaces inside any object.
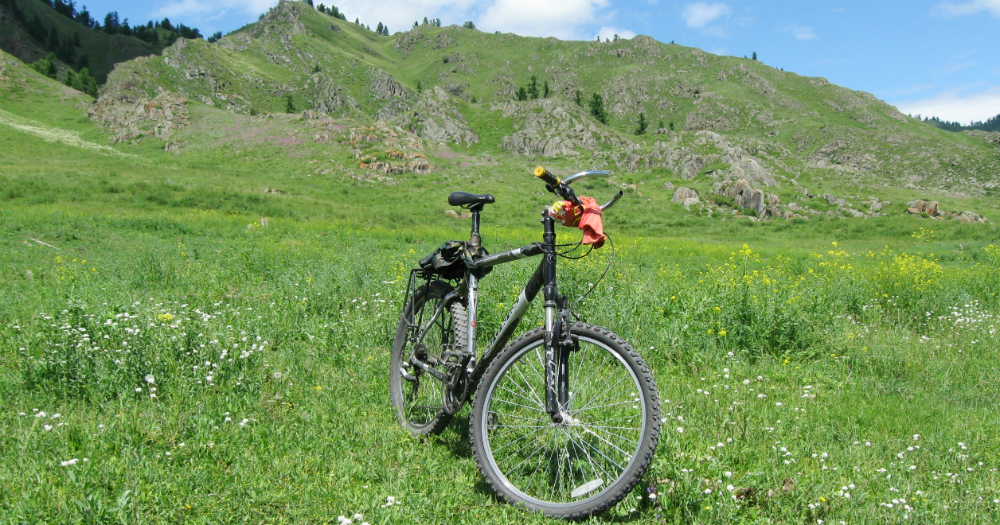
{"x":167,"y":356}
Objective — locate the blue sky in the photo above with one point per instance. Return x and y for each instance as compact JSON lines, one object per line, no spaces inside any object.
{"x":932,"y":57}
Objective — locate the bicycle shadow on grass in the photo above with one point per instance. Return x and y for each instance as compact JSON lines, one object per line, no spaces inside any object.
{"x":456,"y":436}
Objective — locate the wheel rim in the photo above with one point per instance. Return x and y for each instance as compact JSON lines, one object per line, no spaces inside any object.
{"x":569,"y":464}
{"x":423,"y":398}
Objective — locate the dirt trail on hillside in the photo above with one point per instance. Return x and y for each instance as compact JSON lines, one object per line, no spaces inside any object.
{"x":50,"y":134}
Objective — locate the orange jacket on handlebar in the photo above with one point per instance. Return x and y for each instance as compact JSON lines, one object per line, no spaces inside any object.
{"x":587,"y":217}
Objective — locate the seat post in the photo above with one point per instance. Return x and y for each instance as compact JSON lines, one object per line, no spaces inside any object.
{"x":474,"y":238}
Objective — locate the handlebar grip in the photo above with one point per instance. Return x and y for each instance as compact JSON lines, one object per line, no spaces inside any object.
{"x":549,"y":178}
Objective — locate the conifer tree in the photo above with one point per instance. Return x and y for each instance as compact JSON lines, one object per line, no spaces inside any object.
{"x":533,"y":88}
{"x":597,"y":108}
{"x":641,"y":128}
{"x":289,"y":105}
{"x":545,"y":90}
{"x":53,"y":39}
{"x":378,"y":30}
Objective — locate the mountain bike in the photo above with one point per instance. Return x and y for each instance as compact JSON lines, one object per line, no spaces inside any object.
{"x":564,"y":419}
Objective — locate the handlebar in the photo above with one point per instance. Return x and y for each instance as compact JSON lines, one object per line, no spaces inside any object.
{"x":613,"y":200}
{"x":561,"y":186}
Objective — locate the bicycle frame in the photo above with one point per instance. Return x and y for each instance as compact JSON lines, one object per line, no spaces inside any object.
{"x":543,"y":279}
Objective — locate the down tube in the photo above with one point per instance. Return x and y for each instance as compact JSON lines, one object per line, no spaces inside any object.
{"x":516,"y":313}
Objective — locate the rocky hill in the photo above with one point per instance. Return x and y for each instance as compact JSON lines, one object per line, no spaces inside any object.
{"x":715,"y":120}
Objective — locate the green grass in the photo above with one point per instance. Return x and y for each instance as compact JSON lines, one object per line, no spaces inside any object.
{"x":156,"y":263}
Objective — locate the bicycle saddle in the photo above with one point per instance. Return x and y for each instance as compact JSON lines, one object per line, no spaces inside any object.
{"x":460,"y":198}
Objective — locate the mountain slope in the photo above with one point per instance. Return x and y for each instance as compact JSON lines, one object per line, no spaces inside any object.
{"x":732,"y":118}
{"x":97,"y":50}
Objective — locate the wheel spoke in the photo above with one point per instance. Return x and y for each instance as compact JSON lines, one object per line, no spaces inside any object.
{"x":588,"y":461}
{"x":523,"y":396}
{"x":428,"y":328}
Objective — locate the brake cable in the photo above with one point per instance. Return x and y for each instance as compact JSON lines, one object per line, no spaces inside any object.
{"x":599,"y":279}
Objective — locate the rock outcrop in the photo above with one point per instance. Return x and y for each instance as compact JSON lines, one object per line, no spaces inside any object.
{"x":282,"y":20}
{"x":549,"y":129}
{"x":922,"y":206}
{"x":746,"y":197}
{"x":128,"y":113}
{"x":969,"y":216}
{"x":683,"y":194}
{"x":329,"y":97}
{"x":934,"y":211}
{"x":833,"y":199}
{"x":436,"y":119}
{"x":393,"y":94}
{"x":742,"y":165}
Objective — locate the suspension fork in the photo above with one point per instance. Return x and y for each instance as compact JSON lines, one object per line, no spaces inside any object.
{"x":556,"y":353}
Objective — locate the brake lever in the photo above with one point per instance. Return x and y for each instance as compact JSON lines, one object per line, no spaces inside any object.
{"x":613,"y":200}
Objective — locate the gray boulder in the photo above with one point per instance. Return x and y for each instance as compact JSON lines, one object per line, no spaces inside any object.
{"x":836,"y":201}
{"x":746,"y":197}
{"x":683,"y":194}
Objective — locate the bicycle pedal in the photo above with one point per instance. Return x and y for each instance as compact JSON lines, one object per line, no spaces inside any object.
{"x":408,"y":377}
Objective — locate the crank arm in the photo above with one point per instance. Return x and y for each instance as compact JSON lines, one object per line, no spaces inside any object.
{"x":439,"y":375}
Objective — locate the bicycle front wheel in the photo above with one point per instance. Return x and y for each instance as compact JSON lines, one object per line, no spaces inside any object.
{"x":590,"y":461}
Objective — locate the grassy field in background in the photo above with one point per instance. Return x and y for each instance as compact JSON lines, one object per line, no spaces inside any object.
{"x":165,"y":357}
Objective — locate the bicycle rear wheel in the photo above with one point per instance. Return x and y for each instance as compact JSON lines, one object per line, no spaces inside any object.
{"x":428,"y":332}
{"x":586,"y":464}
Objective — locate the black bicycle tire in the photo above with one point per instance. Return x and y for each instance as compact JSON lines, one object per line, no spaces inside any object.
{"x":400,"y":352}
{"x":626,"y":481}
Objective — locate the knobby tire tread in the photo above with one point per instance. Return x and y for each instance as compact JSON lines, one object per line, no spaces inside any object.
{"x":400,"y":352}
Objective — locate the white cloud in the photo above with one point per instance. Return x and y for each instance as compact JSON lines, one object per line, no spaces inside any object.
{"x":610,"y":32}
{"x":559,"y":18}
{"x":804,"y":33}
{"x":955,"y":107}
{"x":700,"y":14}
{"x":972,"y":7}
{"x":399,"y":15}
{"x":565,"y":19}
